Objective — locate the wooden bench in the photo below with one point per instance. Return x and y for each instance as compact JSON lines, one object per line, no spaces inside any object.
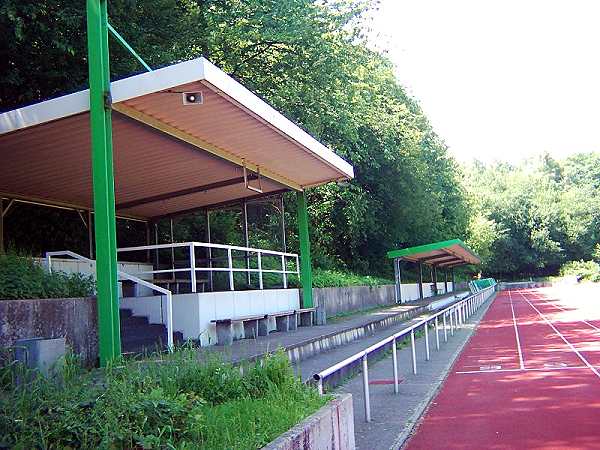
{"x":304,"y":317}
{"x":254,"y":326}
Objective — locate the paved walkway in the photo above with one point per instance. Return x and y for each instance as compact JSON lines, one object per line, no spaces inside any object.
{"x":394,"y":416}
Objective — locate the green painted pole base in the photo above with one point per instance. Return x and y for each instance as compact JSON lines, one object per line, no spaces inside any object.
{"x":305,"y":263}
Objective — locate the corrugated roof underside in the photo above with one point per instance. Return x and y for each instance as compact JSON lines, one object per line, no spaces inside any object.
{"x":225,"y":125}
{"x":52,"y":162}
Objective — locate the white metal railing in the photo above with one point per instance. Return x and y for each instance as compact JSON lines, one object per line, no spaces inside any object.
{"x":193,"y":268}
{"x":456,"y":314}
{"x":129,"y":277}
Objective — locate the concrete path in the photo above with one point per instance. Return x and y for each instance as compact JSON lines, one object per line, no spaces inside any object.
{"x":394,"y":416}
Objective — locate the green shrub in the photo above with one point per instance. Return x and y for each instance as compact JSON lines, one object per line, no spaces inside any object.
{"x":583,"y":270}
{"x":178,"y":402}
{"x":21,"y":277}
{"x":334,"y":278}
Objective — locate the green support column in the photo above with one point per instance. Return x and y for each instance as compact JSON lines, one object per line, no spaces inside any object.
{"x":103,"y":181}
{"x":305,"y":265}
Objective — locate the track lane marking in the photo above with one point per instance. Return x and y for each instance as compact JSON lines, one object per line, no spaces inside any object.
{"x":521,"y":362}
{"x":571,"y":346}
{"x":538,"y":297}
{"x":539,"y":369}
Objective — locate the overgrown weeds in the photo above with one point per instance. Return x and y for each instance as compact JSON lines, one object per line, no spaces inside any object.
{"x":178,"y":402}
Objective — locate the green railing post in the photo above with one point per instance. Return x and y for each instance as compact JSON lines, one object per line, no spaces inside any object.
{"x":103,"y":181}
{"x":305,"y":264}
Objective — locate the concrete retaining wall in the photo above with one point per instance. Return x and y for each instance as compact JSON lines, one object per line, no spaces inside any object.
{"x":502,"y":286}
{"x":72,"y":318}
{"x":340,"y":300}
{"x":330,"y":428}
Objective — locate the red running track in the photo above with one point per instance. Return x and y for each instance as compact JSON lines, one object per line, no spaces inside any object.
{"x":529,"y":378}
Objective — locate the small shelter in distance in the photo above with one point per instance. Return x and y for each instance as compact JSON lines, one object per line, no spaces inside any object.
{"x":445,"y":255}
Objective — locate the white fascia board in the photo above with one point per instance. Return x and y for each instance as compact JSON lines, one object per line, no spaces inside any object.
{"x":252,"y":102}
{"x":121,"y":90}
{"x":47,"y":111}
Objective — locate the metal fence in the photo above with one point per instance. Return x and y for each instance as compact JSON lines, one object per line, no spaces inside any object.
{"x":193,"y":268}
{"x":452,"y":317}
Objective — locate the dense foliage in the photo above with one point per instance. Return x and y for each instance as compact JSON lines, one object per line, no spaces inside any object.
{"x":311,"y":60}
{"x":583,"y":270}
{"x":531,"y":218}
{"x":22,"y":277}
{"x":177,"y":403}
{"x":308,"y":58}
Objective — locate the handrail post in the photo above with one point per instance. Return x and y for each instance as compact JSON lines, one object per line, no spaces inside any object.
{"x":437,"y":334}
{"x":365,"y":370}
{"x":49,"y":262}
{"x":426,"y":330}
{"x":193,"y":267}
{"x":230,"y":262}
{"x":260,"y":274}
{"x":452,"y":322}
{"x":414,"y":351}
{"x":395,"y":362}
{"x":284,"y":274}
{"x":445,"y":327}
{"x":170,"y":343}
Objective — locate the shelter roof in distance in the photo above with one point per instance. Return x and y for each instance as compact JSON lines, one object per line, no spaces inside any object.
{"x":451,"y":253}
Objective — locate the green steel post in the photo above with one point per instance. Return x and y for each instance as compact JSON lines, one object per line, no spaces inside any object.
{"x":103,"y":181}
{"x":305,"y":265}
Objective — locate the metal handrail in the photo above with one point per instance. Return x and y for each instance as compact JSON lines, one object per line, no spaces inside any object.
{"x":457,"y":314}
{"x":125,"y":275}
{"x":192,"y":269}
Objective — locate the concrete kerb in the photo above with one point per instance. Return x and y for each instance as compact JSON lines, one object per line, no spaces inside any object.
{"x":423,"y":406}
{"x":309,"y":347}
{"x":330,"y":428}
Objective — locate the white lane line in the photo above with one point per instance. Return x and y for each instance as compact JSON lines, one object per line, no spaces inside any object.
{"x":539,"y":369}
{"x":566,"y":310}
{"x":521,"y":363}
{"x":585,"y":361}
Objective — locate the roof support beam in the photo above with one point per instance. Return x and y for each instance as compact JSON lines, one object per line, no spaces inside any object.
{"x":232,"y":202}
{"x":58,"y":205}
{"x":157,"y":124}
{"x":183,"y":192}
{"x":451,"y":260}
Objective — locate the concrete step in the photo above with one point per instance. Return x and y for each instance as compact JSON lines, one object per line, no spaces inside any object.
{"x":140,"y":344}
{"x":124,"y":313}
{"x":133,"y":321}
{"x":139,"y":336}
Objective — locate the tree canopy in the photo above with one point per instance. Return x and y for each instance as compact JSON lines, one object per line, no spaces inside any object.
{"x":311,"y":60}
{"x":532,"y":217}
